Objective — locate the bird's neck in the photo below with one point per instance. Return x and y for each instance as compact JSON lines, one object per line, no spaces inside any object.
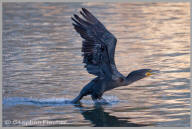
{"x":130,"y":79}
{"x":125,"y":82}
{"x":128,"y":82}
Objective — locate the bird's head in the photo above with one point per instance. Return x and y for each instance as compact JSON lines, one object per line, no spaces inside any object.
{"x":140,"y":74}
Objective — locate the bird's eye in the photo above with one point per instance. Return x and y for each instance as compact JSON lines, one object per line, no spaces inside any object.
{"x":121,"y":79}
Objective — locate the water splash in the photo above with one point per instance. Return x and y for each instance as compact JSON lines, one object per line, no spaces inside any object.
{"x":13,"y":101}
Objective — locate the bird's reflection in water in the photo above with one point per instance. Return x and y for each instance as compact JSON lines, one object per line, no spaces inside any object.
{"x":99,"y":118}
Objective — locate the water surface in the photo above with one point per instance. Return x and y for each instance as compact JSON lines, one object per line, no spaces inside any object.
{"x":43,"y":70}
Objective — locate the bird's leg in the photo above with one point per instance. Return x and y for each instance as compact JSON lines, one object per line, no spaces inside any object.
{"x":98,"y":100}
{"x":77,"y":99}
{"x":85,"y":91}
{"x":103,"y":100}
{"x":95,"y":98}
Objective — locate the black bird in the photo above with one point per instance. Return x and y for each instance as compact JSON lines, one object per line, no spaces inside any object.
{"x":98,"y":49}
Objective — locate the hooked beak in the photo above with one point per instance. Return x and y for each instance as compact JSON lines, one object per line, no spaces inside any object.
{"x":152,"y":72}
{"x":155,"y":71}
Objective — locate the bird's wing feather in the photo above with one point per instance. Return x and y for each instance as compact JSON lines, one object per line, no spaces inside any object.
{"x":98,"y":46}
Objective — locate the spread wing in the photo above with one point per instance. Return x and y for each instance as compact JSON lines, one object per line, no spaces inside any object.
{"x":98,"y":45}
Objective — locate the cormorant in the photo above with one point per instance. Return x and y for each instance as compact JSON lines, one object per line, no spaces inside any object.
{"x":98,"y":49}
